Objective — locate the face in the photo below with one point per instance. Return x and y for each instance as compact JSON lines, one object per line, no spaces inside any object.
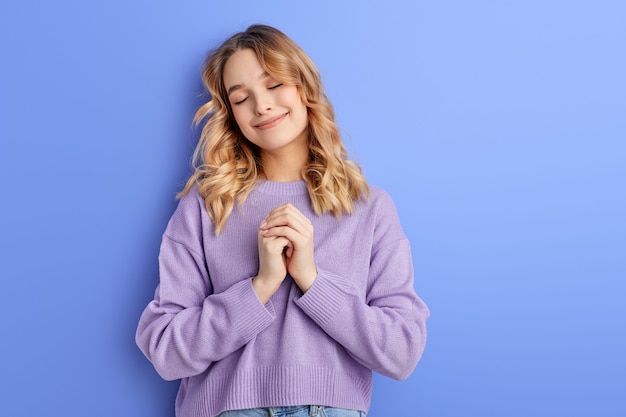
{"x":270,"y":114}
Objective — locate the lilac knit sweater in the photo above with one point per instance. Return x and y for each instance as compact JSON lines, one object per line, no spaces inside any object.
{"x":207,"y":326}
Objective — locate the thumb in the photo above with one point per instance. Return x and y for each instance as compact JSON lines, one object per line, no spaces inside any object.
{"x":289,"y":250}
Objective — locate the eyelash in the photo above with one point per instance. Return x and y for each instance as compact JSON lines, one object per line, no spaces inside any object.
{"x":274,"y":87}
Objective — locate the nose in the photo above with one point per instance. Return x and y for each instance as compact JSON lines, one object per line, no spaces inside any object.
{"x":263,"y":103}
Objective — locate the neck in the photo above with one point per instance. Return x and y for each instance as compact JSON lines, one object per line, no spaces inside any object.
{"x":284,"y":165}
{"x":282,"y":170}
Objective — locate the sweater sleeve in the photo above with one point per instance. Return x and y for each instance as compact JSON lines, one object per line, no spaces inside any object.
{"x":187,"y":327}
{"x":386,"y":330}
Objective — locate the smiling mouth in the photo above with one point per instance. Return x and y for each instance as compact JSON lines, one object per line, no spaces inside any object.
{"x":268,"y":124}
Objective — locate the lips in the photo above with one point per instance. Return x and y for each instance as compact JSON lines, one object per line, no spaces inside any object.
{"x":270,"y":123}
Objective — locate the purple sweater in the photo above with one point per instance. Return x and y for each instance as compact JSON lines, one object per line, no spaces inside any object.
{"x":207,"y":326}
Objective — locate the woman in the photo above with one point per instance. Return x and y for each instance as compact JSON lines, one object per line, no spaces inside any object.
{"x":284,"y":278}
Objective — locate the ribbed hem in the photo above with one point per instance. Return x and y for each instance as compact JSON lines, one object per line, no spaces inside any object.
{"x":282,"y":188}
{"x":277,"y":386}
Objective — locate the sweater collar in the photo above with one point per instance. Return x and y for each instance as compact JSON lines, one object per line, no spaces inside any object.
{"x":282,"y":188}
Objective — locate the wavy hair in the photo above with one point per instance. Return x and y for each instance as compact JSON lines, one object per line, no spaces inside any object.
{"x":226,"y":166}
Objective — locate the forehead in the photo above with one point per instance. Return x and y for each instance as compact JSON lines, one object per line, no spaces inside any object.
{"x":242,"y":68}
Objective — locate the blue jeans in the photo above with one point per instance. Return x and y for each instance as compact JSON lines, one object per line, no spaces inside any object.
{"x":296,"y":411}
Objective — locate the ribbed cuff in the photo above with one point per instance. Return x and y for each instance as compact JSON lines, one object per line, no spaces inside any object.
{"x":252,"y":316}
{"x":325,"y":299}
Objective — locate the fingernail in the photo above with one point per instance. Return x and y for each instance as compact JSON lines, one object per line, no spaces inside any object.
{"x":263,"y":224}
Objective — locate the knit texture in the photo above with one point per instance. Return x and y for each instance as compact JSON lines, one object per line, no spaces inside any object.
{"x":207,"y":327}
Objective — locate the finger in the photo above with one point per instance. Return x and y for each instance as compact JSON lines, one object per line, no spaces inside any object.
{"x":299,"y":223}
{"x":299,"y":240}
{"x":274,"y":244}
{"x":286,"y":211}
{"x":289,"y":250}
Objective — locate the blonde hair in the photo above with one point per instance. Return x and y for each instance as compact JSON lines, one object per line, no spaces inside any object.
{"x":227,"y":165}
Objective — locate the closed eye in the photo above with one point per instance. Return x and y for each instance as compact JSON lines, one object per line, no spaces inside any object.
{"x":274,"y":87}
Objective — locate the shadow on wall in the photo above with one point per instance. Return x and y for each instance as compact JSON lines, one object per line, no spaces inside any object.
{"x":157,"y":395}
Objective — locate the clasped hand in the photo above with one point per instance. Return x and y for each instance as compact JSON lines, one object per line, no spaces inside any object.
{"x":285,"y":241}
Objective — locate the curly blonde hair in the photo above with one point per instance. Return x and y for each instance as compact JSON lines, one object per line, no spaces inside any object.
{"x":227,"y":166}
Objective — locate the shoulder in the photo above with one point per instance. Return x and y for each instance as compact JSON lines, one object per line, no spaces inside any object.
{"x":190,"y":206}
{"x":189,"y":216}
{"x":380,"y":196}
{"x":381,"y":209}
{"x":191,"y":199}
{"x":378,"y":201}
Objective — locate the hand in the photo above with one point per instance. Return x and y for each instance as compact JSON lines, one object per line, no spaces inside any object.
{"x":288,"y":223}
{"x":272,"y":265}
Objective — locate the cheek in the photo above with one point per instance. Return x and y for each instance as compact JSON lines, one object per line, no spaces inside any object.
{"x":295,"y":102}
{"x":288,"y":96}
{"x":303,"y":113}
{"x":240,"y":118}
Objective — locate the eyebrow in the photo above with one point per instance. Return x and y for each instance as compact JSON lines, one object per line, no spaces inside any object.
{"x":236,"y":87}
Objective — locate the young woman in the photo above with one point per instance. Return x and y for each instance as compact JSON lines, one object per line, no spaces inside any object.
{"x":284,"y":278}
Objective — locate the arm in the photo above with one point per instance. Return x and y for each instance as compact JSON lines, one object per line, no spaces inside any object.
{"x":187,"y":327}
{"x":385,"y":330}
